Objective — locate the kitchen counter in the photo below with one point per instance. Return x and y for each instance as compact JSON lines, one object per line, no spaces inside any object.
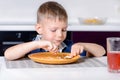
{"x":84,"y":72}
{"x":71,"y":27}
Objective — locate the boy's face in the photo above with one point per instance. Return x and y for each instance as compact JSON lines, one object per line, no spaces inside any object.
{"x":54,"y":30}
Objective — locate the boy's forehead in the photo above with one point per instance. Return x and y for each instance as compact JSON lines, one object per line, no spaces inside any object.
{"x":54,"y":23}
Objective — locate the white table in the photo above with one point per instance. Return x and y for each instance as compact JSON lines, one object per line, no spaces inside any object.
{"x":79,"y":73}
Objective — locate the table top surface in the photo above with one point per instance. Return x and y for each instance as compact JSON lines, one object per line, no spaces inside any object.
{"x":89,"y":69}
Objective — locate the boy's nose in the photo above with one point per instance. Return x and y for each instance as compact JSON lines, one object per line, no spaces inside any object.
{"x":59,"y":34}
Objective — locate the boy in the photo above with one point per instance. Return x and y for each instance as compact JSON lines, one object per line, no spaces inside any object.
{"x":52,"y":29}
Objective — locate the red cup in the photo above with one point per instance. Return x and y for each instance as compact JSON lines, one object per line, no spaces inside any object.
{"x":113,"y":54}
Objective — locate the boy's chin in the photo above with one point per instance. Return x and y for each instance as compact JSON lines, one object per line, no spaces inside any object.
{"x":57,"y":44}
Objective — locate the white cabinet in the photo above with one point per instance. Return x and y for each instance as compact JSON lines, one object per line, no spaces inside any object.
{"x":71,"y":27}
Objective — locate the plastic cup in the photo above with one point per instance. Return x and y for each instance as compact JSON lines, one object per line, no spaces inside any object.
{"x":113,"y":54}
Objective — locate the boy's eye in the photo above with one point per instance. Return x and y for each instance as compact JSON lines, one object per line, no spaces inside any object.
{"x":53,"y":30}
{"x":64,"y":30}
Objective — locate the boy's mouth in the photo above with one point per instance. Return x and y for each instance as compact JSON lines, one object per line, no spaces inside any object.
{"x":59,"y":41}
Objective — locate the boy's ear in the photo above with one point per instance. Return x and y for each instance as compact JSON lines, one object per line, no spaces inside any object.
{"x":38,"y":28}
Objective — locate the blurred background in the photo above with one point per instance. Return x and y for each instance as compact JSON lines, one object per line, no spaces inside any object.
{"x":18,"y":17}
{"x":24,"y":11}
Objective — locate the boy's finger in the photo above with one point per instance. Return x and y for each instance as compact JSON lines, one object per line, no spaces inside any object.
{"x":54,"y":48}
{"x":81,"y":49}
{"x":73,"y":54}
{"x":50,"y":46}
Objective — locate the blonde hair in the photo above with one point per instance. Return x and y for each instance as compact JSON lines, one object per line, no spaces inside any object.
{"x":51,"y":10}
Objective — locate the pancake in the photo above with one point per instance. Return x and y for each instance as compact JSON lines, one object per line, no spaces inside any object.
{"x":51,"y":58}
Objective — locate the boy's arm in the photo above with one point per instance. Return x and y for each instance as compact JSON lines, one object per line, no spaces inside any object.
{"x":93,"y":49}
{"x":18,"y":51}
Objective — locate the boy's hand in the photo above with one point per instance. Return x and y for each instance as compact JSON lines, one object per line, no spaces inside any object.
{"x":76,"y":49}
{"x":48,"y":46}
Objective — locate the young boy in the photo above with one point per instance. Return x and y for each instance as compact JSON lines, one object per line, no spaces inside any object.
{"x":51,"y":26}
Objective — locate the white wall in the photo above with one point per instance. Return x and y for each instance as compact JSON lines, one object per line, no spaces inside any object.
{"x":24,"y":11}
